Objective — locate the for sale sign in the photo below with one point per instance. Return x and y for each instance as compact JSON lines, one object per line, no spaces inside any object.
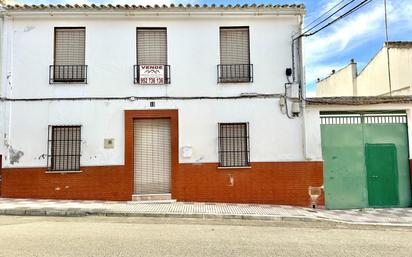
{"x":152,"y":74}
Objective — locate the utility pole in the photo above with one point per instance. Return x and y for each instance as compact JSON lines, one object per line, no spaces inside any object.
{"x":387,"y":46}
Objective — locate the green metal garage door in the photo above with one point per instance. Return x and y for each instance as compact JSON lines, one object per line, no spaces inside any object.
{"x":366,"y":160}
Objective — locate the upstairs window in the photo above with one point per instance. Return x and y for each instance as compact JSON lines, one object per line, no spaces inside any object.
{"x":64,"y":148}
{"x":69,"y":56}
{"x":234,"y":55}
{"x":233,"y":144}
{"x":151,"y":57}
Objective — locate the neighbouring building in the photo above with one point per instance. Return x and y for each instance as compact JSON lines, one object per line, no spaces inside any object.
{"x":146,"y":102}
{"x":366,"y":149}
{"x":365,"y":131}
{"x":376,"y":79}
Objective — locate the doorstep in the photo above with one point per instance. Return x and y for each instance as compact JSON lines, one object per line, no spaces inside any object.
{"x":152,"y":198}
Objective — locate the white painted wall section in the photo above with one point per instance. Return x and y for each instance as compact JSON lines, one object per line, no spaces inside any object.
{"x":373,"y":80}
{"x":193,"y":54}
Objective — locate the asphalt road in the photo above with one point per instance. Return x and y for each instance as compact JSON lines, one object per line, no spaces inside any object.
{"x":103,"y":236}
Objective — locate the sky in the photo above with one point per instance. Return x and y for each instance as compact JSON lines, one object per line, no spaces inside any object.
{"x":359,"y":36}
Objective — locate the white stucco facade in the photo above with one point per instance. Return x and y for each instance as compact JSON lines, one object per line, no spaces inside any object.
{"x":339,"y":83}
{"x":375,"y":79}
{"x":30,"y":104}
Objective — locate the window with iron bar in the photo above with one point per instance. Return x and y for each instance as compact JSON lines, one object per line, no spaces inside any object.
{"x":151,"y":51}
{"x":234,"y":55}
{"x":234,"y":144}
{"x":69,"y":55}
{"x":64,"y":143}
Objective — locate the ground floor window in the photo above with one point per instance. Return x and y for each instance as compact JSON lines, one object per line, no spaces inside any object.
{"x":233,"y":144}
{"x":64,"y":148}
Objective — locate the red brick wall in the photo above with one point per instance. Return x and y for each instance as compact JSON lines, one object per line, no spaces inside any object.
{"x":93,"y":183}
{"x":271,"y":183}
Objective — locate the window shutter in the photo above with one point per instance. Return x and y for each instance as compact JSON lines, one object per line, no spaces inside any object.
{"x":234,"y":45}
{"x":69,"y":46}
{"x":151,"y":46}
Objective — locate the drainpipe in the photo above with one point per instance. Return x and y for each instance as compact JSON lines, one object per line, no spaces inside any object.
{"x":300,"y":69}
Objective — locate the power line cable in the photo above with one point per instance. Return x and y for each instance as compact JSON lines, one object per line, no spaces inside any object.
{"x":387,"y":47}
{"x":359,"y":6}
{"x":330,"y":16}
{"x":354,"y":9}
{"x":324,"y":14}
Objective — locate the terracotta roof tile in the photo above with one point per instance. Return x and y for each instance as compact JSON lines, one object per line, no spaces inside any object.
{"x":358,"y":100}
{"x":399,"y":44}
{"x":18,"y":7}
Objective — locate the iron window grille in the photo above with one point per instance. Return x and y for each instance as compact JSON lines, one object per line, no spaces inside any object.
{"x":151,"y":51}
{"x":68,"y":73}
{"x":235,"y":63}
{"x":64,"y":143}
{"x":165,"y":79}
{"x":69,"y":56}
{"x":234,"y":73}
{"x":234,"y":145}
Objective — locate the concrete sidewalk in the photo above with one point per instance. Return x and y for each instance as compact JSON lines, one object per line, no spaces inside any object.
{"x":390,"y":216}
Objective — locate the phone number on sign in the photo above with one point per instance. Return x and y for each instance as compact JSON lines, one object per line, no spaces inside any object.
{"x":152,"y":80}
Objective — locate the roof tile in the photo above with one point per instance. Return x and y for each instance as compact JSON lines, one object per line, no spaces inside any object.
{"x":358,"y":100}
{"x":140,"y":7}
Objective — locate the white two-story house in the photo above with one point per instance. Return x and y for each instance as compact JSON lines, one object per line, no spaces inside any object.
{"x":193,"y":103}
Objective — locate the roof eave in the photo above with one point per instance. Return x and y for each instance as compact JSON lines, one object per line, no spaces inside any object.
{"x":156,"y":9}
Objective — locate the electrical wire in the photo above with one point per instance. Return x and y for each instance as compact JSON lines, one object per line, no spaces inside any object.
{"x":286,"y":99}
{"x":352,"y":10}
{"x":330,"y":16}
{"x":323,"y":14}
{"x":140,"y":98}
{"x":357,"y":7}
{"x":305,"y":34}
{"x":387,"y":48}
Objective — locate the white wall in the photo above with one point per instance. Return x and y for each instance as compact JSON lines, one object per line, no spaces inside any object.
{"x":273,"y":137}
{"x":312,"y":138}
{"x":373,"y":80}
{"x":340,"y":83}
{"x":193,"y":53}
{"x":401,"y":70}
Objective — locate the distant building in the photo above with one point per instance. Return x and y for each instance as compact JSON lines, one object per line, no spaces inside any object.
{"x":373,"y":80}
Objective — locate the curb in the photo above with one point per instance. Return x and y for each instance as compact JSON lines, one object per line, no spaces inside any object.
{"x":101,"y":212}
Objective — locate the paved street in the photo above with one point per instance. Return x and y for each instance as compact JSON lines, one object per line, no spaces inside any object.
{"x":116,"y":236}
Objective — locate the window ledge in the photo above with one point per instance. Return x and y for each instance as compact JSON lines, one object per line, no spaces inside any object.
{"x":235,"y":82}
{"x":231,"y":168}
{"x":164,"y":84}
{"x":68,"y":82}
{"x":63,"y":171}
